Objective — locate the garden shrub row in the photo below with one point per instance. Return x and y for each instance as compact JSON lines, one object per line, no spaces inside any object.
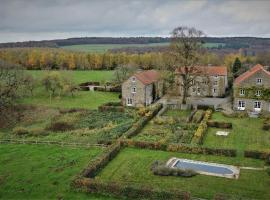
{"x":257,"y":155}
{"x":23,"y":131}
{"x":101,"y":161}
{"x":202,"y":129}
{"x":129,"y":191}
{"x":112,"y":106}
{"x":218,"y":124}
{"x":181,"y":148}
{"x":198,"y":116}
{"x":138,"y":126}
{"x":190,"y":117}
{"x":266,"y":124}
{"x":160,"y":169}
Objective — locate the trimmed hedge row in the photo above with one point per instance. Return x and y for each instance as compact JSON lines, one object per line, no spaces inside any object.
{"x":200,"y":132}
{"x":129,"y":191}
{"x":179,"y":148}
{"x":257,"y":154}
{"x":190,"y":117}
{"x":101,"y":161}
{"x":112,"y":106}
{"x":138,"y":126}
{"x":217,"y":124}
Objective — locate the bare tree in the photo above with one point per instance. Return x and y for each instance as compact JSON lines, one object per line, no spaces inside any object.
{"x":185,"y":49}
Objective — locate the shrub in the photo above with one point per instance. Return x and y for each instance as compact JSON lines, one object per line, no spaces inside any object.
{"x":159,"y":168}
{"x":61,"y":126}
{"x":198,"y":116}
{"x":217,"y":124}
{"x":20,"y":131}
{"x":38,"y":132}
{"x":205,"y":107}
{"x":190,"y":117}
{"x":257,"y":154}
{"x":268,"y":171}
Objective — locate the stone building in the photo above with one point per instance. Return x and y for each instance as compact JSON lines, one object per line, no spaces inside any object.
{"x":208,"y":81}
{"x":252,"y":90}
{"x":142,"y":88}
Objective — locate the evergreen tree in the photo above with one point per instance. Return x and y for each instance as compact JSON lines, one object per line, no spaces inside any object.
{"x":236,"y":66}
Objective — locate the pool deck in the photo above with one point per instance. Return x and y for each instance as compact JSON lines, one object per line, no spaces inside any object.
{"x":236,"y":170}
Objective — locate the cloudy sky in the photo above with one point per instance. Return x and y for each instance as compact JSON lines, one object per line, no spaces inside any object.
{"x":22,"y":20}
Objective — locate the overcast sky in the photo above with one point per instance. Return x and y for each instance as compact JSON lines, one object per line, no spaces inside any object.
{"x":22,"y":20}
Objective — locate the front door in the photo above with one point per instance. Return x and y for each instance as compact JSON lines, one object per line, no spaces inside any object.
{"x":257,"y":106}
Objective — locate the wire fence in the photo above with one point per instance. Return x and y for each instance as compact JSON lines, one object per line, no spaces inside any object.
{"x":69,"y":144}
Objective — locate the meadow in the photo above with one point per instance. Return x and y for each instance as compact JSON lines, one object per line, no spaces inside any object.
{"x":43,"y":172}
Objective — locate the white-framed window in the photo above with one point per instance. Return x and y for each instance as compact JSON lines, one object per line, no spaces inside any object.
{"x":198,"y":91}
{"x":257,"y":104}
{"x":242,"y":92}
{"x":129,"y":102}
{"x":216,"y":76}
{"x":241,"y":105}
{"x":258,"y":93}
{"x":214,"y":90}
{"x":259,"y":81}
{"x":133,"y":79}
{"x":133,"y":89}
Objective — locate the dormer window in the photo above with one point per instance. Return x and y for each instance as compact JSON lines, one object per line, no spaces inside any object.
{"x":242,"y":92}
{"x":259,"y":81}
{"x":258,"y":93}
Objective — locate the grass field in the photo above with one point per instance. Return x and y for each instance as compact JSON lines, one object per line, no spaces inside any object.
{"x":42,"y":172}
{"x":133,"y":166}
{"x":82,"y":99}
{"x":102,"y":48}
{"x":246,"y":133}
{"x":78,"y":76}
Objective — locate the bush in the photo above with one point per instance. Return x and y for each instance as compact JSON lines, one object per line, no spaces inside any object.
{"x":20,"y":131}
{"x":217,"y":124}
{"x":205,"y":107}
{"x":60,"y":126}
{"x":38,"y":132}
{"x":268,"y":171}
{"x":159,"y":168}
{"x":257,"y":154}
{"x":190,"y":117}
{"x":198,"y":116}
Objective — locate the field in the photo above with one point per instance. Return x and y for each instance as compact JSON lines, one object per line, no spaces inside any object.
{"x":102,"y":48}
{"x":42,"y":172}
{"x":171,"y":127}
{"x":133,"y":166}
{"x":246,"y":133}
{"x":82,"y":99}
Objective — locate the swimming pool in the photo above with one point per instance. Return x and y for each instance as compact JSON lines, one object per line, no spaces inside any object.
{"x":206,"y":168}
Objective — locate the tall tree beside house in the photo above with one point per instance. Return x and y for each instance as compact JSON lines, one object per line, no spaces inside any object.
{"x":185,"y":47}
{"x":236,"y":66}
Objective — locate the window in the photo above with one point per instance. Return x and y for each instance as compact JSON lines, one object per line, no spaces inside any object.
{"x":133,"y":79}
{"x":133,"y":90}
{"x":258,"y":93}
{"x":241,"y":105}
{"x":198,"y":90}
{"x":257,"y":104}
{"x":214,"y":90}
{"x":259,"y":81}
{"x":242,"y":92}
{"x":129,"y":101}
{"x":216,"y":76}
{"x":193,"y":89}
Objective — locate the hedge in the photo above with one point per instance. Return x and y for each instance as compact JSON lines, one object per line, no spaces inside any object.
{"x":129,"y":191}
{"x":138,"y":126}
{"x":218,"y":124}
{"x":257,"y":154}
{"x":181,"y":148}
{"x":201,"y":131}
{"x":112,"y":106}
{"x":190,"y":117}
{"x":101,"y":161}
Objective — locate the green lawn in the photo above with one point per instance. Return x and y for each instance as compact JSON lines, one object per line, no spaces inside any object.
{"x":78,"y":76}
{"x":133,"y":166}
{"x":102,"y":48}
{"x":42,"y":172}
{"x":246,"y":133}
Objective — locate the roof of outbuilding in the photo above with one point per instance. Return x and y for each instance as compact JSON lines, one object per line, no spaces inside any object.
{"x":249,"y":73}
{"x":147,"y":77}
{"x":206,"y":70}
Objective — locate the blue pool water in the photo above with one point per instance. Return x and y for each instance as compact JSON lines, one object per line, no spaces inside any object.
{"x":203,"y":167}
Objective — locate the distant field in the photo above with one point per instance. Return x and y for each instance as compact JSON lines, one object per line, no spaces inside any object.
{"x":102,"y":48}
{"x":42,"y":172}
{"x":78,"y":76}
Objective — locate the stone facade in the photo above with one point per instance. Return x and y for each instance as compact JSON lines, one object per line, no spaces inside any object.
{"x":252,"y":90}
{"x":137,"y":93}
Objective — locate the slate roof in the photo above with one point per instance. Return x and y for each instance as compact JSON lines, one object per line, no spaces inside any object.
{"x":147,"y":77}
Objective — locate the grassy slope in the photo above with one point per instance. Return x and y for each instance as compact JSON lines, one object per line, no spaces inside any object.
{"x":82,"y":99}
{"x":42,"y":172}
{"x":133,"y":165}
{"x":247,"y":133}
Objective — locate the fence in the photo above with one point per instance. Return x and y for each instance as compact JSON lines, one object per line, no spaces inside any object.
{"x":70,"y":144}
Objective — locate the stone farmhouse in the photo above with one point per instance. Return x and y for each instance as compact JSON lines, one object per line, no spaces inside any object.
{"x":252,"y":90}
{"x":142,"y":88}
{"x":208,"y":81}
